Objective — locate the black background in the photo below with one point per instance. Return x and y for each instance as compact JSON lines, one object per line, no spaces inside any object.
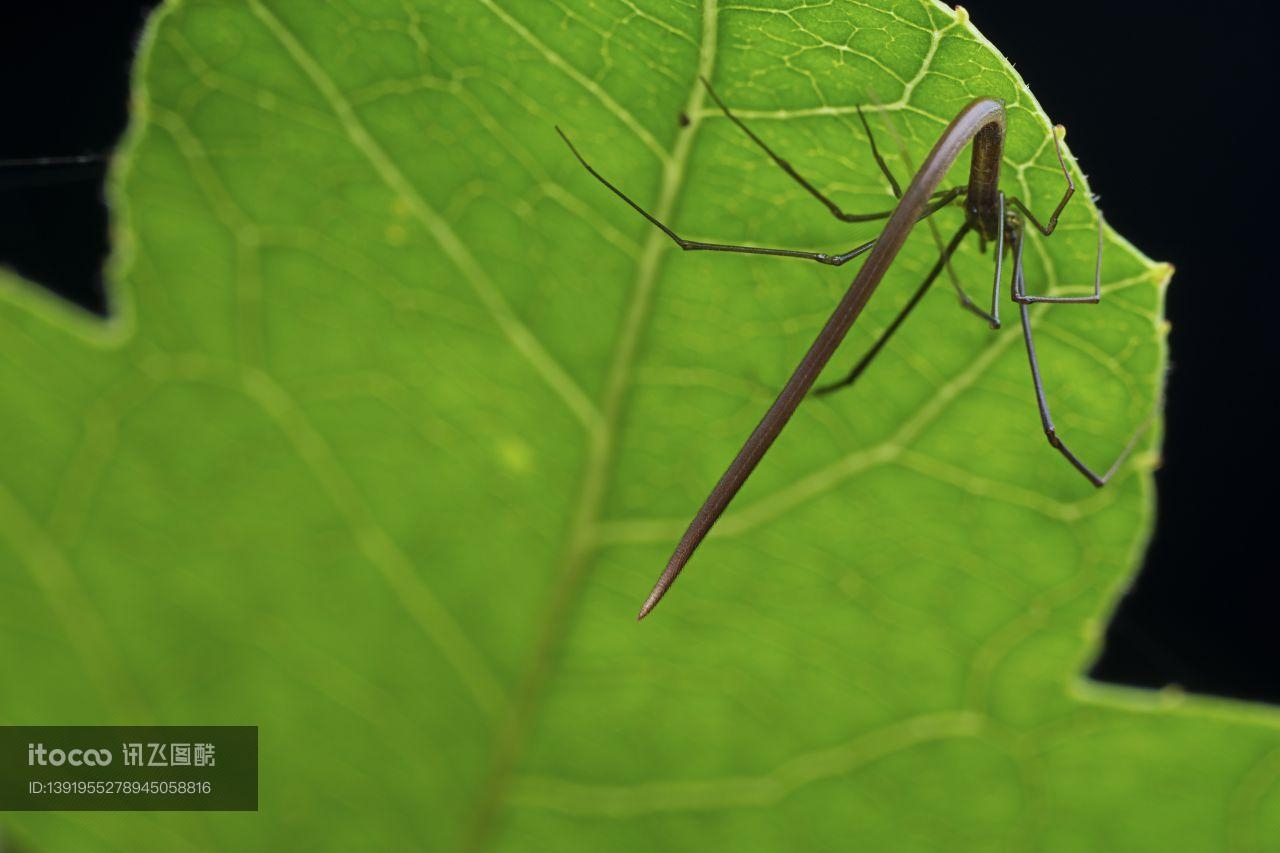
{"x":1166,"y":105}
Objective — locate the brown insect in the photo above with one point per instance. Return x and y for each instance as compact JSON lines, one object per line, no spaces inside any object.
{"x":994,"y":216}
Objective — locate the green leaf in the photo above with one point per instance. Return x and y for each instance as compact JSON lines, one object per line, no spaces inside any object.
{"x":400,"y":413}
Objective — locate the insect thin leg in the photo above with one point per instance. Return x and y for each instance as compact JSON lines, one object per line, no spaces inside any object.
{"x":1020,"y":295}
{"x":808,"y":187}
{"x":865,"y":361}
{"x":1058,"y":132}
{"x":1046,"y":419}
{"x":965,"y":302}
{"x":995,"y":285}
{"x":695,"y":245}
{"x":875,"y":152}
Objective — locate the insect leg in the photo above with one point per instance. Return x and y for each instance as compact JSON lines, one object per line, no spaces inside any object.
{"x":1020,"y":293}
{"x":932,"y":208}
{"x":1046,"y":419}
{"x":865,"y":361}
{"x":995,"y":285}
{"x":993,"y":320}
{"x":1058,"y":132}
{"x":835,"y":209}
{"x":696,"y":245}
{"x":875,"y":152}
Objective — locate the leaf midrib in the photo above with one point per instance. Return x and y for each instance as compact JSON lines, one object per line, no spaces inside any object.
{"x":581,"y":540}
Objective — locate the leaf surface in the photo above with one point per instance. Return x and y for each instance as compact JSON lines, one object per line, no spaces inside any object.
{"x":400,"y":413}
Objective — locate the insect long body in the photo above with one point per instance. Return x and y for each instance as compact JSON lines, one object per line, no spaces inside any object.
{"x":967,"y":125}
{"x":981,"y":201}
{"x":988,"y":212}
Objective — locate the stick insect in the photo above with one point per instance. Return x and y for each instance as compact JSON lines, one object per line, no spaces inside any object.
{"x":994,"y":216}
